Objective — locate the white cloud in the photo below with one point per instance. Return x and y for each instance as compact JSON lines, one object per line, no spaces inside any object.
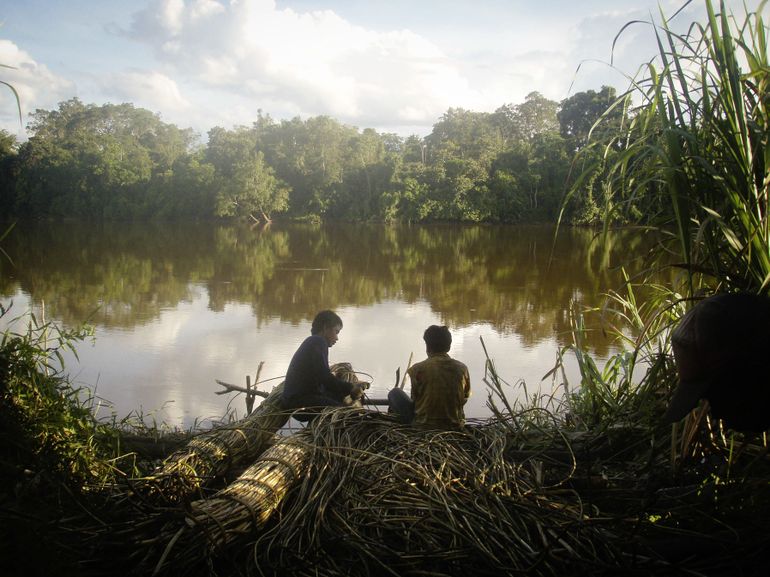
{"x":35,"y":84}
{"x":388,"y":64}
{"x":308,"y":63}
{"x":151,"y":90}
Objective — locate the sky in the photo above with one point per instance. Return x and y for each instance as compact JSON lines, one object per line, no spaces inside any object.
{"x":392,"y":65}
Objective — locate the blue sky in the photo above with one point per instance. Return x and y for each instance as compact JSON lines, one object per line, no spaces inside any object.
{"x":392,"y":65}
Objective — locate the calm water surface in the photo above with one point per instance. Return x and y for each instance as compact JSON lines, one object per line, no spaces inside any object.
{"x":176,"y":306}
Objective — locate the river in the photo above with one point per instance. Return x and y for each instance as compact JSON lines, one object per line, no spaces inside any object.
{"x":177,"y":305}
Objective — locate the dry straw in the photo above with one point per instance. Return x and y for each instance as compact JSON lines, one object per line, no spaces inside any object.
{"x":211,"y":455}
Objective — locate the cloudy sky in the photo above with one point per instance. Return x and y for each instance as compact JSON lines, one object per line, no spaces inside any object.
{"x":392,"y":65}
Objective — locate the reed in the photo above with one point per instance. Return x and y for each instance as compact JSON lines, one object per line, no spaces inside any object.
{"x":692,"y":166}
{"x":692,"y":161}
{"x":210,"y":455}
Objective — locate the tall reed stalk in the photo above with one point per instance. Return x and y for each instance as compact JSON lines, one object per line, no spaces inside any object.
{"x":692,"y":164}
{"x":694,"y":158}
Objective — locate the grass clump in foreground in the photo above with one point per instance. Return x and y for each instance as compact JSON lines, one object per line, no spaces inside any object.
{"x":57,"y":460}
{"x":542,"y":488}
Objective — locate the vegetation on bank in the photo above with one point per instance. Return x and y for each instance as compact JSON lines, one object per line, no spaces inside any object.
{"x":596,"y":485}
{"x":118,"y":161}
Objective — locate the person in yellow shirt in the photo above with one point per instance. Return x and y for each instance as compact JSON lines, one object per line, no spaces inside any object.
{"x":441,"y":386}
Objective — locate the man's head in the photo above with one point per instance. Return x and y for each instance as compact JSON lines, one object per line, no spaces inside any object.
{"x":437,"y":339}
{"x":720,"y":348}
{"x":327,"y":324}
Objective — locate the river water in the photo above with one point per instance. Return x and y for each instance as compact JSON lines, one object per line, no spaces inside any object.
{"x":177,"y":305}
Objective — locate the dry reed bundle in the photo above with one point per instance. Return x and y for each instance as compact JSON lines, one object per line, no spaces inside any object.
{"x":355,"y":493}
{"x":215,"y":453}
{"x":242,"y":508}
{"x":380,"y":498}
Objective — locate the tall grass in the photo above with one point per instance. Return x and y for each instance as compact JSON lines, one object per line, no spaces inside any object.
{"x":692,"y":164}
{"x":693,"y":159}
{"x":48,"y":430}
{"x":695,"y":156}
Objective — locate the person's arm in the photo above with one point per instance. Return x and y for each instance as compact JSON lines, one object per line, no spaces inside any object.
{"x":337,"y":385}
{"x":325,"y":376}
{"x":466,"y":386}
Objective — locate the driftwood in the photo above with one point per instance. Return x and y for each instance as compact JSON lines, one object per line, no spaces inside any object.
{"x":250,"y":393}
{"x":151,"y":447}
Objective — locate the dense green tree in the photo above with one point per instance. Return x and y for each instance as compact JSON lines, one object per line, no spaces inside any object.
{"x":522,"y":122}
{"x":8,"y":169}
{"x":369,"y":188}
{"x":8,"y":144}
{"x":95,"y":161}
{"x":580,"y":112}
{"x":245,"y":185}
{"x":117,"y":161}
{"x":191,"y":191}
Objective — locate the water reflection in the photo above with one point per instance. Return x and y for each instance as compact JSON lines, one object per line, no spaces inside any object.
{"x":166,"y":284}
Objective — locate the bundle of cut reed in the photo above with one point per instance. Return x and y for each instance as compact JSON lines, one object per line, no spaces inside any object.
{"x":379,"y":498}
{"x":225,"y":449}
{"x":216,"y":452}
{"x":240,"y":510}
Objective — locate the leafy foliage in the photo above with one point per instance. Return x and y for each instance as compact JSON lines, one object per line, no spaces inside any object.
{"x":121,"y":162}
{"x":48,"y":429}
{"x":693,"y":159}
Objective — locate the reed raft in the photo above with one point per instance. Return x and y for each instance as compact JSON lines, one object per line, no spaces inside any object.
{"x":355,"y":493}
{"x":213,"y":454}
{"x":216,"y":453}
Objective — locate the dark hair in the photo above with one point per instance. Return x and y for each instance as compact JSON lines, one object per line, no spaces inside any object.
{"x":325,"y":320}
{"x":437,"y":339}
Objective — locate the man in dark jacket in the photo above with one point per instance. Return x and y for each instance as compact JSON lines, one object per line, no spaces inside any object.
{"x":309,"y":382}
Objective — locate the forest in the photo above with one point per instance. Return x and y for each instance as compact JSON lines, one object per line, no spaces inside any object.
{"x":597,"y":482}
{"x":116,"y":161}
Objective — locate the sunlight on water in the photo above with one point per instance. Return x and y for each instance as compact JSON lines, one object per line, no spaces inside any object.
{"x":166,"y":369}
{"x":173,"y":310}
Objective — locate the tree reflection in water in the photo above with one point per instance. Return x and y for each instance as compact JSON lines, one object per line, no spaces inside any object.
{"x":176,"y":305}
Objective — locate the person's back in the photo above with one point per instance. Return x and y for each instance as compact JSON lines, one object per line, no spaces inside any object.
{"x":307,"y":368}
{"x":440,"y":388}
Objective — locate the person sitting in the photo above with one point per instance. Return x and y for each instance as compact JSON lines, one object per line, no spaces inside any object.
{"x":441,"y":386}
{"x":309,"y":382}
{"x":720,"y":350}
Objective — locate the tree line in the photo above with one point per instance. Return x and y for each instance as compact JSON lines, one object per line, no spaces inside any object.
{"x":122,"y":162}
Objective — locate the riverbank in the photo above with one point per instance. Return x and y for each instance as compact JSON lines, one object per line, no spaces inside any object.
{"x":529,"y":490}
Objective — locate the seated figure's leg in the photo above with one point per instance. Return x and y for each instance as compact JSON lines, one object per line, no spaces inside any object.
{"x":401,"y":405}
{"x":311,"y":405}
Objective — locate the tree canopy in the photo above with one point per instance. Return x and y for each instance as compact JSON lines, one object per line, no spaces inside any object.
{"x":119,"y":161}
